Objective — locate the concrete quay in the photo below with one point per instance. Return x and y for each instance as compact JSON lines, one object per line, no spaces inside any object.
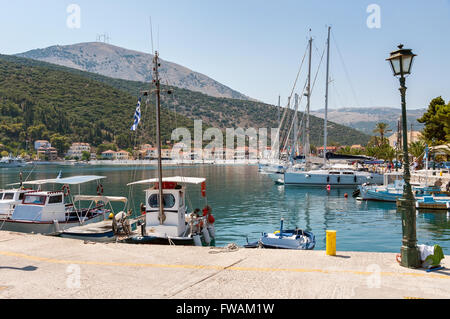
{"x":35,"y":266}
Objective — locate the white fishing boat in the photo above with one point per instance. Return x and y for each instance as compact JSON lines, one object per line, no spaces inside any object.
{"x":167,"y":220}
{"x":49,"y":212}
{"x":176,"y":225}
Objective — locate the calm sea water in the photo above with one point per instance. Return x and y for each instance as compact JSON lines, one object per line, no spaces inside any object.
{"x":246,"y":203}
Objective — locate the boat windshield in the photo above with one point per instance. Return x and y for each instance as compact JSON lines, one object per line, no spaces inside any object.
{"x":8,"y":196}
{"x":1,"y":196}
{"x":34,"y":199}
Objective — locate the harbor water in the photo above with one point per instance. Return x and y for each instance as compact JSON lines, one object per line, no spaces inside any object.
{"x":246,"y":203}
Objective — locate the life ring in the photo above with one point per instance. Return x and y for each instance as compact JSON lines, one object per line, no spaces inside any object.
{"x":398,"y":257}
{"x":100,"y":189}
{"x":66,"y":190}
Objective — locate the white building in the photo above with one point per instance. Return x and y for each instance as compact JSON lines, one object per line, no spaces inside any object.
{"x":77,"y":149}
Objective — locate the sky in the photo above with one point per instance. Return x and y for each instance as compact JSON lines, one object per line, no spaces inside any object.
{"x":256,"y":47}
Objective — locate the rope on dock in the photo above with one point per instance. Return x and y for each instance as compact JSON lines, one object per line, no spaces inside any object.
{"x":227,"y":249}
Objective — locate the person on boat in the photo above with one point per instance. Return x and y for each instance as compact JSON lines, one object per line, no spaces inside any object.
{"x":438,"y":183}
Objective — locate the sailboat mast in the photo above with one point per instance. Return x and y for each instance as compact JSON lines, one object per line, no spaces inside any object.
{"x":307,"y":143}
{"x":325,"y":130}
{"x":156,"y":80}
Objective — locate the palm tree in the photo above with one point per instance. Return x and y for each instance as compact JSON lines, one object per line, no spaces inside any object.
{"x":381,"y":128}
{"x":417,"y":149}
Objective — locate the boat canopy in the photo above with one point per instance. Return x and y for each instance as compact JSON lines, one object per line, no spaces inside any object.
{"x":105,"y":199}
{"x":176,"y":179}
{"x":74,"y":180}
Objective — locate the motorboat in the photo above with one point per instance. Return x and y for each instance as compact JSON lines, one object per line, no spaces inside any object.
{"x":50,"y":212}
{"x":335,"y":177}
{"x":10,"y":161}
{"x":296,"y":239}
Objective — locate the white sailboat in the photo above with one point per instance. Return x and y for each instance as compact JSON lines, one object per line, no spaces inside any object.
{"x":327,"y":175}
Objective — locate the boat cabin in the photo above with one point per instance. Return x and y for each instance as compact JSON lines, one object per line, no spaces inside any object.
{"x":174,"y":203}
{"x":173,"y":223}
{"x":41,"y":206}
{"x":9,"y":199}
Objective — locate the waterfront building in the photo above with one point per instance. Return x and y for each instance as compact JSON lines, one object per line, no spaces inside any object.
{"x":47,"y":153}
{"x":77,"y":149}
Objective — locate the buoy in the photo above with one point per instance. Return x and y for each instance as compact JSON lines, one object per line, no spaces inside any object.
{"x":111,"y":216}
{"x":206,"y":235}
{"x":328,"y":187}
{"x":331,"y":242}
{"x":346,"y":195}
{"x":197,"y":240}
{"x":212,"y":231}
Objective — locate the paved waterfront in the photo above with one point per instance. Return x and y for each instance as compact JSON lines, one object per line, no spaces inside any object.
{"x":35,"y":266}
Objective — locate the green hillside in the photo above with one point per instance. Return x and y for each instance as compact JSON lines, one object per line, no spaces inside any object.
{"x":64,"y":107}
{"x":89,"y":107}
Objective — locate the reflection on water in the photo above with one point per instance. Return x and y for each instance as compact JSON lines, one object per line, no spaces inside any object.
{"x":247,"y":203}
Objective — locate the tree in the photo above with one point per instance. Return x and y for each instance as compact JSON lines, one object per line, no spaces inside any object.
{"x":436,"y":120}
{"x":86,"y":156}
{"x":61,"y":143}
{"x":382,"y":129}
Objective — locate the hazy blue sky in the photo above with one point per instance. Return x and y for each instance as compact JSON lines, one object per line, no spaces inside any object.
{"x":255,"y":47}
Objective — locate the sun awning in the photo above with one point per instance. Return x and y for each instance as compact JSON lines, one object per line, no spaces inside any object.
{"x":176,"y":179}
{"x":104,"y":199}
{"x":36,"y":182}
{"x":74,"y":180}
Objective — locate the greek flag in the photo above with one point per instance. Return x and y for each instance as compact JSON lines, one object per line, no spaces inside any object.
{"x":137,"y":116}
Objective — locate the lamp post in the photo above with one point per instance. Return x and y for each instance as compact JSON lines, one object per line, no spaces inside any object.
{"x":401,"y":62}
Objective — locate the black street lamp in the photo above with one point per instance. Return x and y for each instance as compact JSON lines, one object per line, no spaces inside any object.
{"x":401,"y":62}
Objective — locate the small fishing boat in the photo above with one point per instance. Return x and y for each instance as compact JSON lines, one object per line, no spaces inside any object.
{"x":296,"y":239}
{"x":433,"y":203}
{"x":167,"y":220}
{"x":48,"y":212}
{"x":106,"y":230}
{"x":175,"y":225}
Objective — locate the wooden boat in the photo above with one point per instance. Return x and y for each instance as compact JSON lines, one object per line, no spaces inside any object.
{"x":433,"y":203}
{"x":106,"y":230}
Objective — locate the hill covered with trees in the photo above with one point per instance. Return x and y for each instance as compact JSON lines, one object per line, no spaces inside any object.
{"x":42,"y":100}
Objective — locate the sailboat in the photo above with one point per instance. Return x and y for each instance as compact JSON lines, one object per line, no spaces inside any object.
{"x":167,"y":218}
{"x":332,"y":176}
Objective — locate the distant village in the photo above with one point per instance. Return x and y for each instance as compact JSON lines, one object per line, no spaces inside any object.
{"x":85,"y":152}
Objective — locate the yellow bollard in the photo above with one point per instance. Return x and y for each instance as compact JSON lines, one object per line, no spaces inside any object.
{"x":441,"y":174}
{"x":331,"y":242}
